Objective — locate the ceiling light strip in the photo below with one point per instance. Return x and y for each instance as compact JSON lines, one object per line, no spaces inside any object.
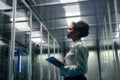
{"x":58,"y":3}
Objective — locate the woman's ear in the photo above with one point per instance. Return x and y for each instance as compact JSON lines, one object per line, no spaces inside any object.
{"x":78,"y":32}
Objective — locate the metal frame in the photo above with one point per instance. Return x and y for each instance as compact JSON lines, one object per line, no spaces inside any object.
{"x":39,"y":20}
{"x":12,"y":44}
{"x":30,"y":50}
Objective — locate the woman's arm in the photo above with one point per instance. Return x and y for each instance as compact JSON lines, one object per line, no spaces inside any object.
{"x":81,"y":55}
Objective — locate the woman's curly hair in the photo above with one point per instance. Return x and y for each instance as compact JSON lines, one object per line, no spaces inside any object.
{"x":82,"y":27}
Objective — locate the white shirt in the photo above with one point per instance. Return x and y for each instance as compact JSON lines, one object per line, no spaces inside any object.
{"x":75,"y":60}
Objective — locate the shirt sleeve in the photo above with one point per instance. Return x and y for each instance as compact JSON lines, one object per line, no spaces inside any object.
{"x":80,"y":66}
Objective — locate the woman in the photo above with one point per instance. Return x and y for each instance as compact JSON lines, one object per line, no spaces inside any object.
{"x":76,"y":58}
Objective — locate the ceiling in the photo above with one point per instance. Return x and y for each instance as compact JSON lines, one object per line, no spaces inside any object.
{"x":58,"y":14}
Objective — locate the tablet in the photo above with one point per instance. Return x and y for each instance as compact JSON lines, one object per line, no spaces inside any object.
{"x":55,"y":61}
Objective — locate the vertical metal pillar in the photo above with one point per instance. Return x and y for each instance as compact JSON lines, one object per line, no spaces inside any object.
{"x":41,"y":63}
{"x":107,"y":48}
{"x":117,"y":60}
{"x":110,"y":24}
{"x":116,"y":16}
{"x":54,"y":55}
{"x":115,"y":44}
{"x":59,"y":77}
{"x":30,"y":50}
{"x":97,"y":35}
{"x":49,"y":72}
{"x":12,"y":43}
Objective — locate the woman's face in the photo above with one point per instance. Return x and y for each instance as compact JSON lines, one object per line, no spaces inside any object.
{"x":71,"y":32}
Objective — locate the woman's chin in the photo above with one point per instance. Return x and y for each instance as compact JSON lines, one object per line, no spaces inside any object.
{"x":68,"y":37}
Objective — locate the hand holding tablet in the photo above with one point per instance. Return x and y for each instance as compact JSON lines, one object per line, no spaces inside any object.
{"x":55,"y":61}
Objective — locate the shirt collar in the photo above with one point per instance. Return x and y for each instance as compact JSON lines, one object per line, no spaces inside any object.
{"x":77,"y":40}
{"x":73,"y":43}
